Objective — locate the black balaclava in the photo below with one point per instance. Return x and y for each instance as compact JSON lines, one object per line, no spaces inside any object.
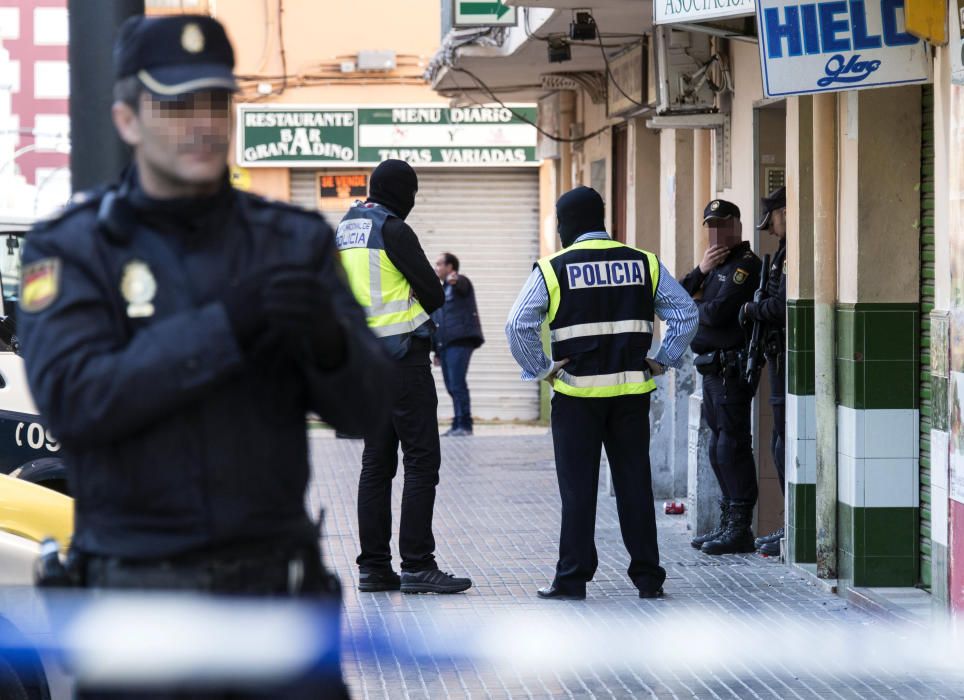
{"x":393,"y":184}
{"x":579,"y":211}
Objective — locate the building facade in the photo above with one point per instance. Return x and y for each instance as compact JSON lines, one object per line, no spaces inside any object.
{"x":329,"y":90}
{"x":34,"y":114}
{"x":671,"y":105}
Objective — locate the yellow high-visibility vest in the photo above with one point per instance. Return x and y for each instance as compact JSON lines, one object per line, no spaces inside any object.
{"x":391,"y":308}
{"x":601,"y":310}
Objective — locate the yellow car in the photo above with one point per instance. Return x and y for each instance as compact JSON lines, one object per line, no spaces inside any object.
{"x":29,"y":513}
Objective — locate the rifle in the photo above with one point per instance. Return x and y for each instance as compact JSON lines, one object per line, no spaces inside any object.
{"x":754,"y":353}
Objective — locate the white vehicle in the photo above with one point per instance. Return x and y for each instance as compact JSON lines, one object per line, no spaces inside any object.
{"x":27,"y":449}
{"x":28,"y":512}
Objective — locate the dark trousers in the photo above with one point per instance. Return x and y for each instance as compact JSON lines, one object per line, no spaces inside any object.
{"x":580,"y":429}
{"x":455,"y":365}
{"x":414,"y":424}
{"x":778,"y":400}
{"x":256,"y":576}
{"x":726,"y":408}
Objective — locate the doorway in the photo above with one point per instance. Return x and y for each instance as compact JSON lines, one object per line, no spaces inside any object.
{"x":620,"y":144}
{"x":770,"y":167}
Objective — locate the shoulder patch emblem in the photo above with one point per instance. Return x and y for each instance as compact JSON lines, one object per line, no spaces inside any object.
{"x":739,"y":277}
{"x":39,"y":285}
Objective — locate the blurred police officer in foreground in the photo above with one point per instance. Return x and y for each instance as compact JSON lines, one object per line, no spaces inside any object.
{"x":394,"y":282}
{"x":601,"y":299}
{"x":772,"y":312}
{"x":725,"y":280}
{"x":176,"y":331}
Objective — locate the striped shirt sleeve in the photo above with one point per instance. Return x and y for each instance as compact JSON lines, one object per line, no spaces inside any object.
{"x":675,"y":306}
{"x":524,"y":328}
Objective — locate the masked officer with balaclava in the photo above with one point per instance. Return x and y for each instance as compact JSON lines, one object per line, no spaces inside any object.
{"x":398,"y":288}
{"x":176,"y":332}
{"x":723,"y":281}
{"x":772,"y":312}
{"x":601,"y":299}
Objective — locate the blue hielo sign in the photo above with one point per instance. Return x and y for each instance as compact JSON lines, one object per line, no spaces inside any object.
{"x":808,"y":47}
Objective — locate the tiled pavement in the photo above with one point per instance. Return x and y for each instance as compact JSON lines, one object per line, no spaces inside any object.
{"x":496,"y":520}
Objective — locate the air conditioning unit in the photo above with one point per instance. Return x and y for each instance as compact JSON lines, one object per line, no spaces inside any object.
{"x":681,"y":60}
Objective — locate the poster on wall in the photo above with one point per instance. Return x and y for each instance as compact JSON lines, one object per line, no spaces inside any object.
{"x":956,"y":235}
{"x":423,"y":135}
{"x":808,"y":47}
{"x":956,"y":225}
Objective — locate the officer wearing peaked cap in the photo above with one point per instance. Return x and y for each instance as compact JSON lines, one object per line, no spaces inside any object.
{"x":175,"y":334}
{"x":723,"y":281}
{"x":601,"y":298}
{"x":772,"y":312}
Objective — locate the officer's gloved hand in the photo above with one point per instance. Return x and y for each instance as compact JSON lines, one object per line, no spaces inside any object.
{"x":745,"y":318}
{"x":243,"y":305}
{"x":297,"y":304}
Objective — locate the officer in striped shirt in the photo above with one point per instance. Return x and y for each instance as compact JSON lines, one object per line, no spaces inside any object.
{"x":601,"y":299}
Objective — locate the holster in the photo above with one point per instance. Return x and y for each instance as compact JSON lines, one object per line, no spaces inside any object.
{"x":724,"y":363}
{"x":708,"y":363}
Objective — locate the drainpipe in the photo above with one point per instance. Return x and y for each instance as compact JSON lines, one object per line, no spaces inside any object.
{"x":702,"y":193}
{"x":97,"y":154}
{"x":825,"y":298}
{"x":567,"y":107}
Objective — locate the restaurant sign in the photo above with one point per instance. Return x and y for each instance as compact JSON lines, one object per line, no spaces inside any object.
{"x":328,"y":136}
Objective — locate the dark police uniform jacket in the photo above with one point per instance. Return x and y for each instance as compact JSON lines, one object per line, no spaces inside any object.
{"x":772,"y":310}
{"x":725,"y":289}
{"x":175,"y":440}
{"x":458,"y":320}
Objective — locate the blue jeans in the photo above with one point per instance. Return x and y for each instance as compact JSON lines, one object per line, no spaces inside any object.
{"x":455,"y":365}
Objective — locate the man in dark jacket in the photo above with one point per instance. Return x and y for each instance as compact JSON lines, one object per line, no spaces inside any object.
{"x":723,"y":281}
{"x":175,"y":333}
{"x":772,"y":312}
{"x":395,"y":284}
{"x":458,"y":335}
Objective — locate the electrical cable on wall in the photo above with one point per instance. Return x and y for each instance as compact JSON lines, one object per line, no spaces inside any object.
{"x":281,"y":42}
{"x":521,"y":117}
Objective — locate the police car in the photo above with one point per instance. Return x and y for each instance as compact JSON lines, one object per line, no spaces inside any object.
{"x":27,"y":449}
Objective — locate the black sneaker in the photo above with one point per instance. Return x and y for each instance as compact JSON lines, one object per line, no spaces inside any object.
{"x":433,"y":581}
{"x":374,"y":581}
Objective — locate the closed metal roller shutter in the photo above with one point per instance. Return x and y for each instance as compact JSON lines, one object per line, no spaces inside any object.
{"x":490,"y":220}
{"x":926,"y":306}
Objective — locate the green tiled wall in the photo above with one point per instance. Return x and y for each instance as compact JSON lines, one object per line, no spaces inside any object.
{"x":801,"y":531}
{"x":800,"y":372}
{"x":878,"y":546}
{"x":877,"y":355}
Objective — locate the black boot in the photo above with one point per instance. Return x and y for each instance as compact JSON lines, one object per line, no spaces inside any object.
{"x":738,"y":537}
{"x":698,"y":542}
{"x":774,"y":536}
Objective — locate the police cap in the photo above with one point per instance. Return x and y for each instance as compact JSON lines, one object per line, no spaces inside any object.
{"x":175,"y":55}
{"x":720,"y":209}
{"x":769,"y":204}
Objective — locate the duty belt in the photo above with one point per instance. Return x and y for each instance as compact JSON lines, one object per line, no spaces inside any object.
{"x":724,"y":363}
{"x":258,"y":573}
